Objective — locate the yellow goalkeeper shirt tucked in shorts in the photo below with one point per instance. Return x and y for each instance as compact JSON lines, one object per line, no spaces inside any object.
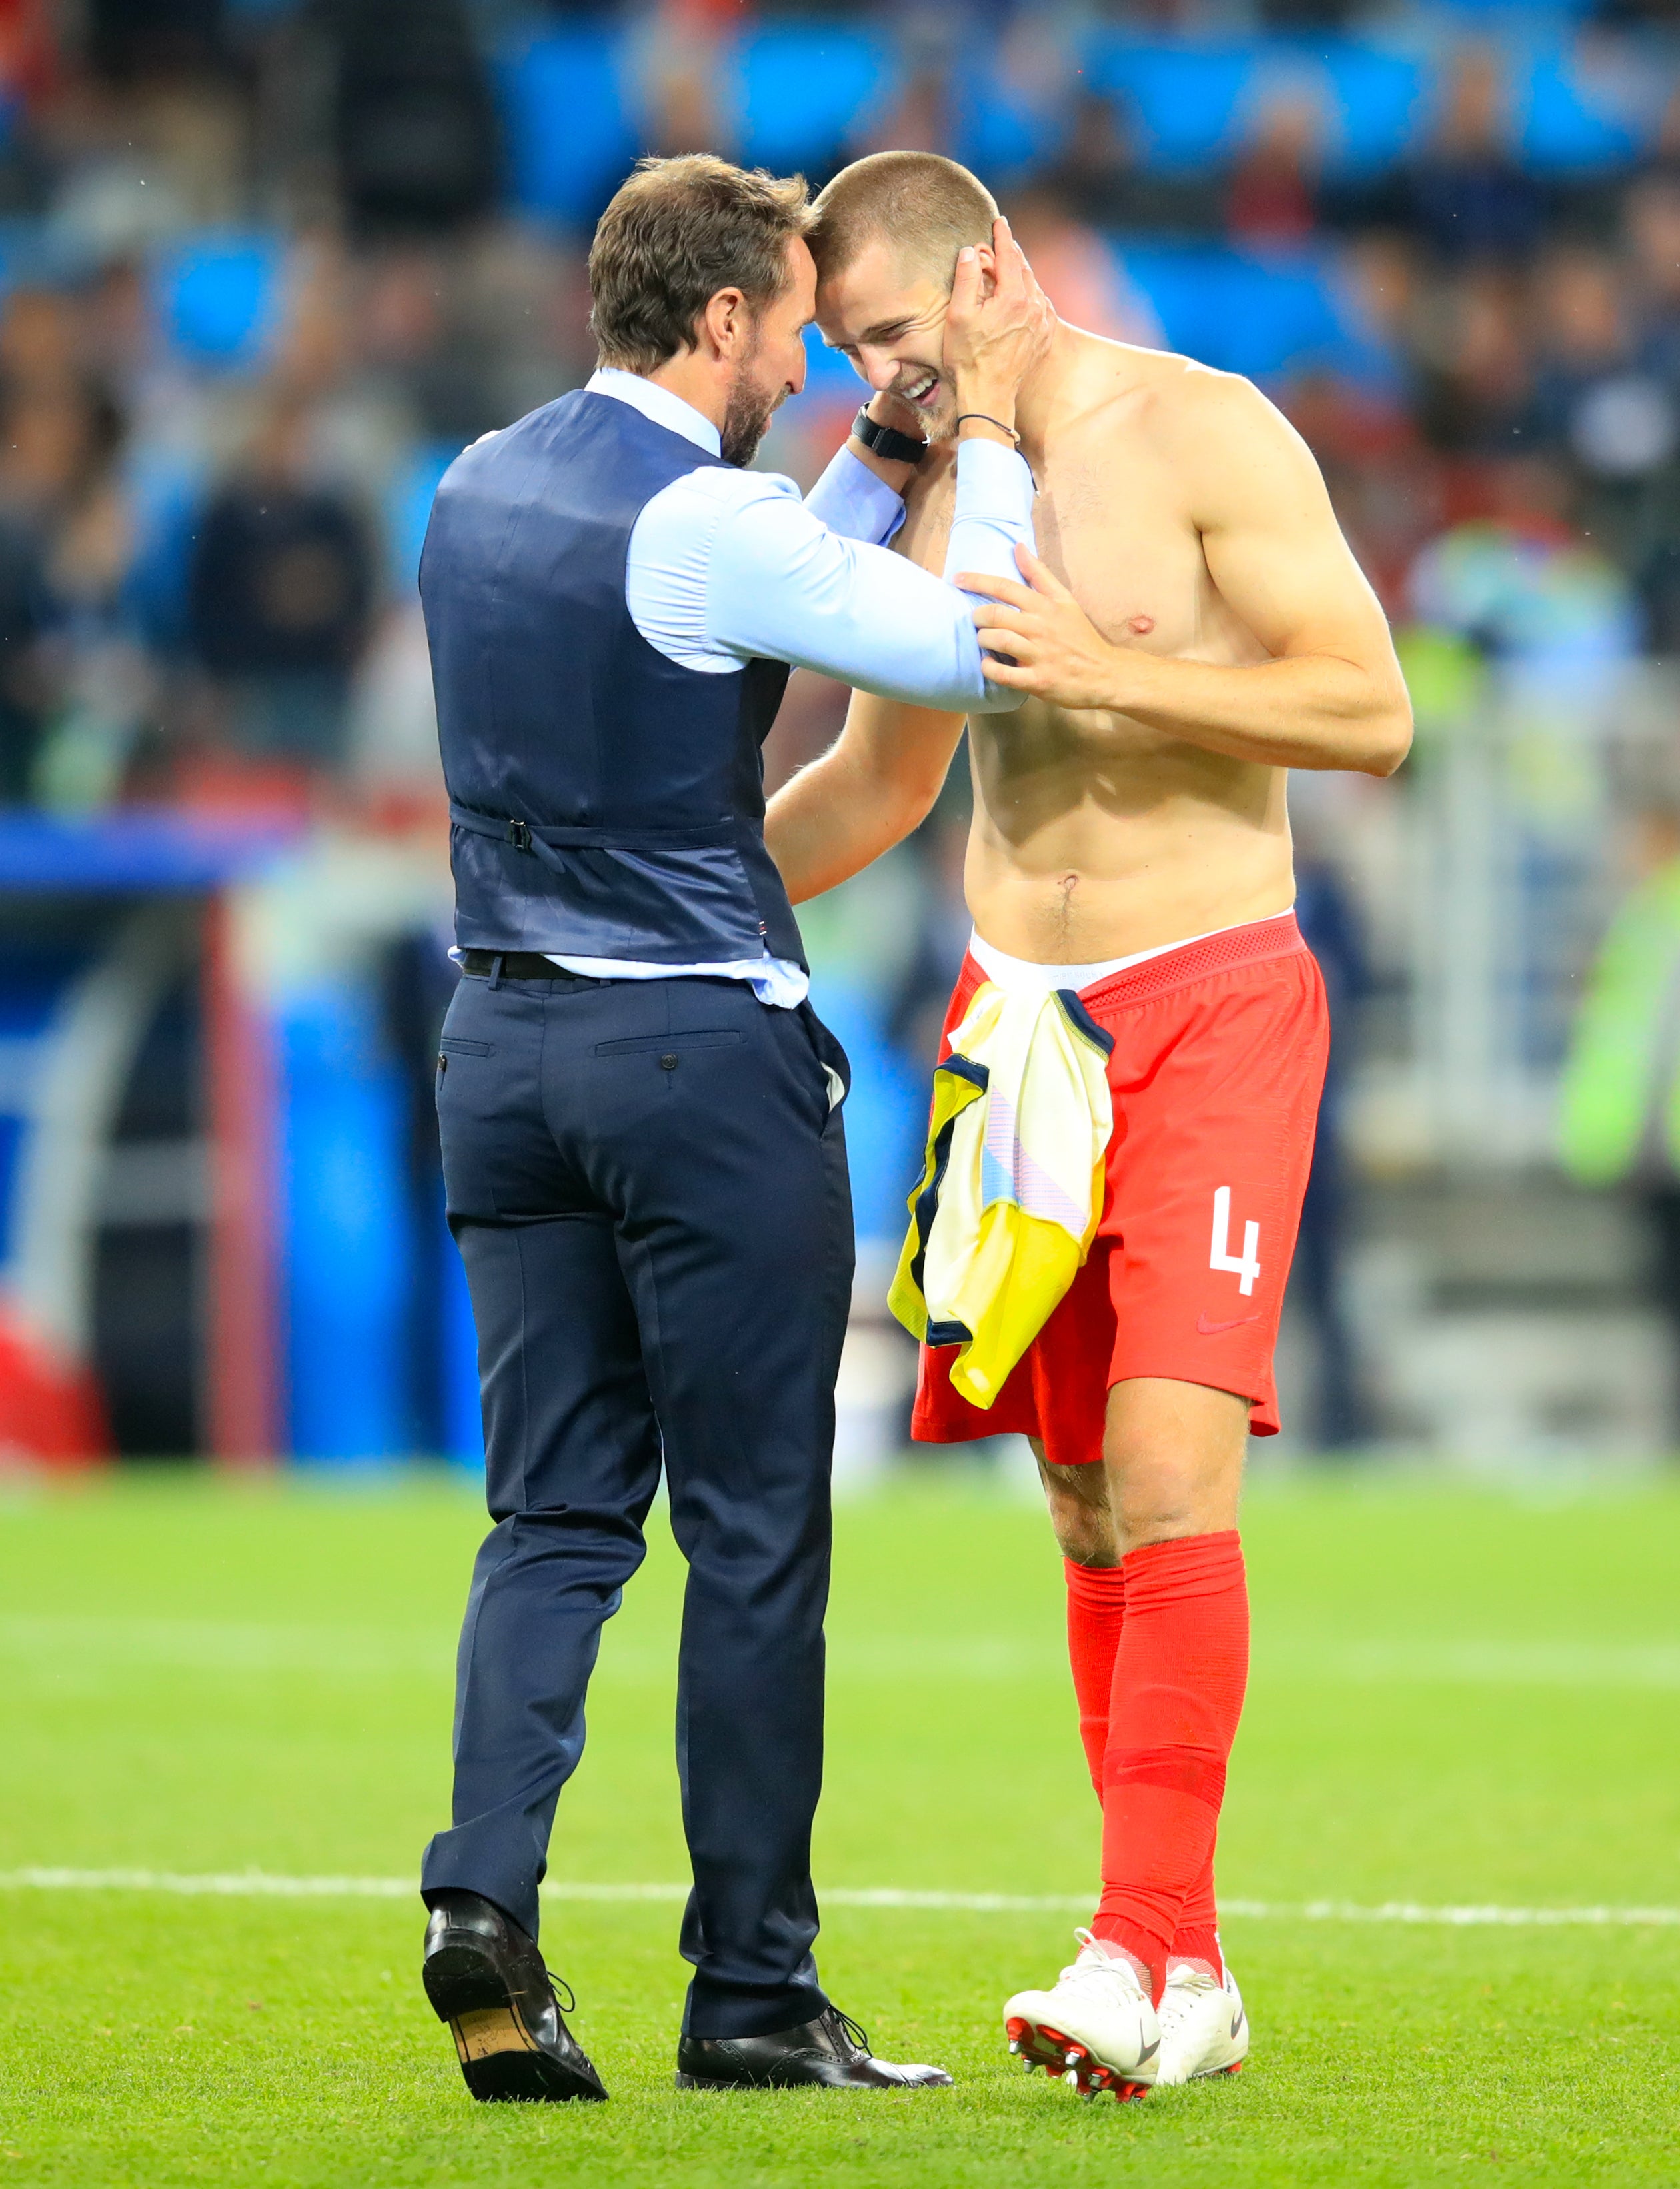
{"x":1011,"y":1190}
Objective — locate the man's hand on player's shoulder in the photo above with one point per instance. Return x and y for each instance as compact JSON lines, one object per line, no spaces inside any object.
{"x":1036,"y":638}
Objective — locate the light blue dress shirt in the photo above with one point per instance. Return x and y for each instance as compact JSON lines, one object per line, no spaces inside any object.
{"x":728,"y":565}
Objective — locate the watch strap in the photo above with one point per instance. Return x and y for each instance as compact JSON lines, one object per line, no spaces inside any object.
{"x":891,"y":446}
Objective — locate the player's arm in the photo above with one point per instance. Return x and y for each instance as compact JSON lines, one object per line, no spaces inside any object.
{"x":873,"y":786}
{"x":879,"y":780}
{"x":1331,"y":697}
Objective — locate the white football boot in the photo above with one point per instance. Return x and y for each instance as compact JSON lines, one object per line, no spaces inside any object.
{"x":1203,"y":2028}
{"x":1097,"y":2027}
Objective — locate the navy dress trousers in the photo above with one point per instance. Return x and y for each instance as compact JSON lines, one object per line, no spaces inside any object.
{"x":643,"y":1143}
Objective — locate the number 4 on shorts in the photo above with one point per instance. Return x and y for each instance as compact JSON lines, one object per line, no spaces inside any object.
{"x":1243,"y":1265}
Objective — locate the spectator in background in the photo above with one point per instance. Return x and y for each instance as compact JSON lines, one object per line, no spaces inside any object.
{"x":22,"y":707}
{"x":1586,"y":345}
{"x":1465,"y":195}
{"x":1621,"y":1107}
{"x":1083,"y":276}
{"x":1330,"y":922}
{"x":1601,"y":409}
{"x":58,"y":439}
{"x":1661,"y":159}
{"x":1272,"y":194}
{"x":1651,"y":235}
{"x":916,"y":114}
{"x":280,"y":597}
{"x":1476,"y":394}
{"x":679,"y":58}
{"x":1384,"y":484}
{"x":114,"y":327}
{"x":54,"y":439}
{"x":416,"y":138}
{"x":40,"y":342}
{"x":100,"y":680}
{"x":1102,"y":179}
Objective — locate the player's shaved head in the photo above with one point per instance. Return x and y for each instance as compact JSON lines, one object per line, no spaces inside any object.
{"x":927,"y":208}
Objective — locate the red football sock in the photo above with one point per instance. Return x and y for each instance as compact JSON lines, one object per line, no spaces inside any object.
{"x":1197,"y":1936}
{"x":1096,"y":1600}
{"x":1178,"y":1678}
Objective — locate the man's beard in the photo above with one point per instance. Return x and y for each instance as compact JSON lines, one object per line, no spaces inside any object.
{"x":746,"y":414}
{"x":940,"y":423}
{"x":931,"y":424}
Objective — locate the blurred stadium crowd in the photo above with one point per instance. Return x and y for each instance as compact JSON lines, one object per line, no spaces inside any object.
{"x":266,"y":265}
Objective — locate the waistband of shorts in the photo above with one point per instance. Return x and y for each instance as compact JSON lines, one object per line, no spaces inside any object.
{"x":1250,"y":944}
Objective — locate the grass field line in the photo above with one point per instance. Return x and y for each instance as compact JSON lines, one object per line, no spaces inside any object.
{"x":55,"y":1642}
{"x":268,"y":1884}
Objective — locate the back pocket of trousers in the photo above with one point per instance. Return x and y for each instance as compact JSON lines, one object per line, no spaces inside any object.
{"x":647,"y":1044}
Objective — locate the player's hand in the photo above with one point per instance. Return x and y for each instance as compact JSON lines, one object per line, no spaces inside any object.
{"x":998,"y":326}
{"x":899,"y":417}
{"x":1036,"y":638}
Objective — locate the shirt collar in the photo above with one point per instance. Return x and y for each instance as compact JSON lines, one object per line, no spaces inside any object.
{"x":657,"y":404}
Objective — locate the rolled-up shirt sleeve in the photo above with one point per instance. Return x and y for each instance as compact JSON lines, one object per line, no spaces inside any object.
{"x":994,"y":514}
{"x":851,"y":500}
{"x":781,"y":583}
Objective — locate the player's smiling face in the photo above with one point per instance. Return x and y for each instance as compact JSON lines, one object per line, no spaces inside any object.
{"x":888,"y":317}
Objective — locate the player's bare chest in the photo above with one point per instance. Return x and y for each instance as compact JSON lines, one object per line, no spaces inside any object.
{"x":1114,"y":533}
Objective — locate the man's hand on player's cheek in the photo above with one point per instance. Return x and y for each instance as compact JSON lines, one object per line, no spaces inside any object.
{"x":1053,"y":648}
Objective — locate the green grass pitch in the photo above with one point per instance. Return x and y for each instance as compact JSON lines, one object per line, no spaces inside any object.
{"x":1458,"y":1698}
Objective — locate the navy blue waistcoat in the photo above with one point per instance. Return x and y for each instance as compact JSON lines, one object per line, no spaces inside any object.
{"x":605,"y":802}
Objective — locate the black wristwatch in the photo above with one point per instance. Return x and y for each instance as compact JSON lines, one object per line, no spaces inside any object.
{"x":891,"y":446}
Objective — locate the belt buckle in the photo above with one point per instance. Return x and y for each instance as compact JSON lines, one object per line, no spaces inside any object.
{"x":519,"y":835}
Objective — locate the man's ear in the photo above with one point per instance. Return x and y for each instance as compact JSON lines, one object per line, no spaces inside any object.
{"x":723,"y":322}
{"x":988,"y":268}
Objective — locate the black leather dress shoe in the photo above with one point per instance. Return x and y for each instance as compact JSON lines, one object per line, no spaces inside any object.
{"x":832,"y":2052}
{"x":485,"y":1977}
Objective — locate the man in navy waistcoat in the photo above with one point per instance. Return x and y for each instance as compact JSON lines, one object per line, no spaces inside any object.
{"x":641,"y":1113}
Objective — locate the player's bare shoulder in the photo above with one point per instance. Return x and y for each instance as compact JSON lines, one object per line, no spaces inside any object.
{"x":1227,"y":443}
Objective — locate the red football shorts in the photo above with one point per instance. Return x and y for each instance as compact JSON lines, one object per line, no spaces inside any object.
{"x":1220,"y":1050}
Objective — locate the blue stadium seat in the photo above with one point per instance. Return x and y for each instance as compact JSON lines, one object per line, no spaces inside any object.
{"x":828,"y":376}
{"x":570,"y":139}
{"x":346,"y":1229}
{"x":1184,"y":97}
{"x":1570,"y":122}
{"x":1378,"y":98}
{"x":218,"y":298}
{"x":408,"y":511}
{"x":1262,"y":317}
{"x":997,"y":133}
{"x":800,"y":91}
{"x":1500,"y":14}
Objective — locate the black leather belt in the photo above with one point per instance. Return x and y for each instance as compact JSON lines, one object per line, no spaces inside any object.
{"x":518,"y":965}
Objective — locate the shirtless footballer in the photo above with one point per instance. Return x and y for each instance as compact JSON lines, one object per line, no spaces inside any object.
{"x":1197,"y":626}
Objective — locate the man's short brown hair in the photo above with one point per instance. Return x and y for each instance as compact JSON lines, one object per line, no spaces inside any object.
{"x":678,"y":231}
{"x":927,"y":206}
